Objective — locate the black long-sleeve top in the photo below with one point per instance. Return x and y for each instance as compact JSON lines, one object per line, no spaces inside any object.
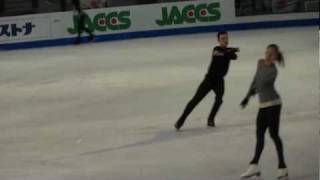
{"x":220,"y":63}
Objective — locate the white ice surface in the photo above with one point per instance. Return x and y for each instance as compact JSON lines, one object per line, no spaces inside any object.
{"x":105,"y":111}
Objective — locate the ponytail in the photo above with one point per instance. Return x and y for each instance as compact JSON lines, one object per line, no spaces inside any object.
{"x":280,"y":57}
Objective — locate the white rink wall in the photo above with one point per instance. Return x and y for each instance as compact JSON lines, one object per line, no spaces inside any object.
{"x":139,"y":21}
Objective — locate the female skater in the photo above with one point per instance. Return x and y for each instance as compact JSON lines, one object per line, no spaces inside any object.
{"x":269,"y":112}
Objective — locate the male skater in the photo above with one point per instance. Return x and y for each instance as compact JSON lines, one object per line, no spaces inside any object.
{"x":214,"y":80}
{"x":81,"y":22}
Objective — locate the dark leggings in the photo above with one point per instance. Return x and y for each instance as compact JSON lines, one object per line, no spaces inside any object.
{"x":269,"y":118}
{"x":205,"y":87}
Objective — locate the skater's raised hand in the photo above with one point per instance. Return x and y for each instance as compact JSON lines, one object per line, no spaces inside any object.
{"x":244,"y":102}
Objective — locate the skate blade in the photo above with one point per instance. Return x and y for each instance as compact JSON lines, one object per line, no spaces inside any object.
{"x":253,"y":177}
{"x":283,"y":178}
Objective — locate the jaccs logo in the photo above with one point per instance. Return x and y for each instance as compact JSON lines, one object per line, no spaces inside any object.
{"x":190,"y":14}
{"x":103,"y":22}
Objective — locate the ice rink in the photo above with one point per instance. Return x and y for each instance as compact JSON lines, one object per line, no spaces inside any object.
{"x":105,"y":111}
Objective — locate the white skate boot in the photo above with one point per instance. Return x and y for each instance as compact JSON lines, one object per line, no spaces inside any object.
{"x":283,"y":174}
{"x":253,"y":172}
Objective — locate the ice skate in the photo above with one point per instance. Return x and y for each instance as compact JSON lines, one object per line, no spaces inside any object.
{"x":211,"y":124}
{"x":178,"y":125}
{"x":253,"y":172}
{"x":92,"y":38}
{"x":283,"y":174}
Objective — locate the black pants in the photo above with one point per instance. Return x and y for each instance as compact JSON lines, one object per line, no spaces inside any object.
{"x":205,"y":87}
{"x":82,"y":28}
{"x":269,"y":118}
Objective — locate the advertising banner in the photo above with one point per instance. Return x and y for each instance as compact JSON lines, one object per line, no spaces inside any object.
{"x":135,"y":19}
{"x":19,"y":29}
{"x":149,"y":17}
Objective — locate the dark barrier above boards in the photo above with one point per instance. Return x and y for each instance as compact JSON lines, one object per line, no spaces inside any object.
{"x":24,"y":7}
{"x":263,"y":7}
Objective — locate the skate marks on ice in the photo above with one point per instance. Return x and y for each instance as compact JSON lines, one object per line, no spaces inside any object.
{"x":304,"y":177}
{"x":160,"y":136}
{"x":169,"y":134}
{"x":301,"y":177}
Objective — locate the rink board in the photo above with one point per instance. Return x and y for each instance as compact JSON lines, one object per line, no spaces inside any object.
{"x":139,"y":21}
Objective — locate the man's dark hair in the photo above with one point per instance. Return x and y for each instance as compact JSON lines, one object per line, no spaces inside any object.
{"x":221,"y":33}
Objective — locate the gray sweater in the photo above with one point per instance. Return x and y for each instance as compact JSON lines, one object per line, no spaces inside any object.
{"x":263,"y":83}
